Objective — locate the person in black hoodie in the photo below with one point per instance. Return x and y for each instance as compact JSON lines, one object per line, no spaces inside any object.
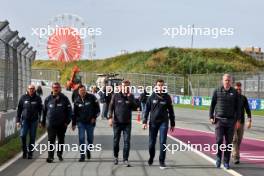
{"x":57,"y":114}
{"x":86,"y":110}
{"x":28,"y":116}
{"x":159,"y":106}
{"x":120,"y":118}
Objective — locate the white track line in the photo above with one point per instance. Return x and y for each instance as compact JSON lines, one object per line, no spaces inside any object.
{"x":211,"y":160}
{"x":259,"y":116}
{"x":209,"y":132}
{"x":19,"y":155}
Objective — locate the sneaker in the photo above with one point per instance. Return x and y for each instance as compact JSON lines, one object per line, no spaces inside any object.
{"x":88,"y":154}
{"x":162,"y":166}
{"x":81,"y":160}
{"x":218,"y":163}
{"x":226,"y":165}
{"x":116,"y":161}
{"x":126,"y":163}
{"x":150,"y":161}
{"x":49,"y":160}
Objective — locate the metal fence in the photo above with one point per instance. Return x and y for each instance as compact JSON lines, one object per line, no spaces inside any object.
{"x":46,"y":75}
{"x":15,"y":66}
{"x":204,"y":84}
{"x":193,"y":85}
{"x":175,"y":83}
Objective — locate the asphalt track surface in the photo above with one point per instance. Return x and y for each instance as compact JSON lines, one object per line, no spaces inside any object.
{"x":192,"y":126}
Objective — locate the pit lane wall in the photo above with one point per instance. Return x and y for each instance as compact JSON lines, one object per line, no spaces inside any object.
{"x":254,"y":103}
{"x":7,"y":124}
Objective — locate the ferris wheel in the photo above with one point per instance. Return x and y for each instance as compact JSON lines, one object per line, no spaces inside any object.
{"x":66,"y":39}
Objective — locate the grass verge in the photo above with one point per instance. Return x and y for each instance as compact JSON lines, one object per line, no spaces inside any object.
{"x":12,"y":146}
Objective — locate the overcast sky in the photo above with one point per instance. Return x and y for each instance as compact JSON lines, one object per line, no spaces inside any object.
{"x":139,"y":24}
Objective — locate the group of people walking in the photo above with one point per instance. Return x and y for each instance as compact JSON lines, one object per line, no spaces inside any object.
{"x":57,"y":112}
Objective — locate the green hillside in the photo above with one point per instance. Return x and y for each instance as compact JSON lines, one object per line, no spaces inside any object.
{"x":166,"y":60}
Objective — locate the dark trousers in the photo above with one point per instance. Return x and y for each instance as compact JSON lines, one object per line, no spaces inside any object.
{"x":224,"y":129}
{"x":118,"y":129}
{"x":89,"y":130}
{"x":154,"y":128}
{"x":59,"y":132}
{"x":31,"y":128}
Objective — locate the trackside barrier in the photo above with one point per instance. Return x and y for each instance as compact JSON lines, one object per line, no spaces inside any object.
{"x":254,"y":103}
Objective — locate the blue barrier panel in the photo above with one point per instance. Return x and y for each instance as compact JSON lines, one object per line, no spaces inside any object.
{"x":254,"y":104}
{"x":176,"y":99}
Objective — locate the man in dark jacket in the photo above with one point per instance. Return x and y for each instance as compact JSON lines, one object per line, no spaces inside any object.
{"x":120,"y":117}
{"x":223,"y":113}
{"x":159,"y":106}
{"x":86,"y":110}
{"x":28,"y":116}
{"x":57,"y":114}
{"x":240,"y":124}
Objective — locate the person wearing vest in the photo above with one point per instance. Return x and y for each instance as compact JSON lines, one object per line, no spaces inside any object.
{"x":224,"y":112}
